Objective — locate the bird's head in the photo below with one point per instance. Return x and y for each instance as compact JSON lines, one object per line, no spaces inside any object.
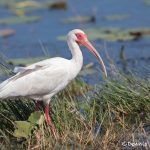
{"x":81,"y":39}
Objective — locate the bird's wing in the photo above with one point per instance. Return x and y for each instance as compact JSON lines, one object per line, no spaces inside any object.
{"x":41,"y":80}
{"x":45,"y":62}
{"x":19,"y":69}
{"x":24,"y":70}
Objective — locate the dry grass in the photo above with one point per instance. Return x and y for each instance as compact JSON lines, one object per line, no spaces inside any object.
{"x":116,"y":112}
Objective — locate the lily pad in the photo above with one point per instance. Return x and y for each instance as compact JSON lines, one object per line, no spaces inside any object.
{"x":116,"y":17}
{"x":87,"y":70}
{"x":25,"y":61}
{"x":7,"y":32}
{"x":114,"y":34}
{"x":7,"y":3}
{"x":21,"y":8}
{"x":21,"y":19}
{"x":79,"y":19}
{"x":147,"y":2}
{"x":57,"y":5}
{"x":24,"y":4}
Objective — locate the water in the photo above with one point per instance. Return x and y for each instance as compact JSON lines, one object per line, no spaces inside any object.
{"x":26,"y":41}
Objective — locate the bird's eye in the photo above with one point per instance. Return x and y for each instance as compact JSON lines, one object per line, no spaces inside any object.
{"x":80,"y":36}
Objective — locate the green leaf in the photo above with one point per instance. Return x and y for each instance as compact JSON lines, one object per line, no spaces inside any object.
{"x":25,"y":61}
{"x":147,"y":2}
{"x":17,"y":20}
{"x":114,"y":34}
{"x":79,"y":19}
{"x":87,"y":70}
{"x":36,"y":118}
{"x":23,"y":129}
{"x":116,"y":17}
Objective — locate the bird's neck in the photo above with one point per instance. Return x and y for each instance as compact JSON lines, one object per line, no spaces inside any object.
{"x":77,"y":57}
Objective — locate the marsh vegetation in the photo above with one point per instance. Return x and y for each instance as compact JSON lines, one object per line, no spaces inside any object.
{"x":91,"y":113}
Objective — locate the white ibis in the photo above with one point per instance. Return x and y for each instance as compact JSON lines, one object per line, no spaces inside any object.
{"x":41,"y":80}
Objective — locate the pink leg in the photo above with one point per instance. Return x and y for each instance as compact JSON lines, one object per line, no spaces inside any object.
{"x":49,"y":121}
{"x":37,"y":105}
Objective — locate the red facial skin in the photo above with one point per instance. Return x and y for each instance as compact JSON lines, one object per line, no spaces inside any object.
{"x":81,"y":37}
{"x":82,"y":40}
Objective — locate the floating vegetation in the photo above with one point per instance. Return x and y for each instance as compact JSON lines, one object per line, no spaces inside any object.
{"x":87,"y":70}
{"x":24,"y":61}
{"x":57,"y":5}
{"x":7,"y":32}
{"x":147,"y":2}
{"x":114,"y":34}
{"x":79,"y":19}
{"x":7,"y":3}
{"x":21,"y":19}
{"x":116,"y":17}
{"x":20,"y":8}
{"x":25,"y":4}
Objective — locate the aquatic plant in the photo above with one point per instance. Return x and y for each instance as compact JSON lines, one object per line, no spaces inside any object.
{"x":114,"y":34}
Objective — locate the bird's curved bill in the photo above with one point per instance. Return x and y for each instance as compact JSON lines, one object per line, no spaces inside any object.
{"x":88,"y":45}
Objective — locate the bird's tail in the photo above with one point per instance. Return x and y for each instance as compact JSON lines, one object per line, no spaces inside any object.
{"x":3,"y":93}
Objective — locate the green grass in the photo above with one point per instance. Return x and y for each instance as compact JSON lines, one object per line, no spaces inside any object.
{"x":118,"y":110}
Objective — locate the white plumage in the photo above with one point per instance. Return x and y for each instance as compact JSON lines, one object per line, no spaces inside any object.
{"x":39,"y":81}
{"x":42,"y":80}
